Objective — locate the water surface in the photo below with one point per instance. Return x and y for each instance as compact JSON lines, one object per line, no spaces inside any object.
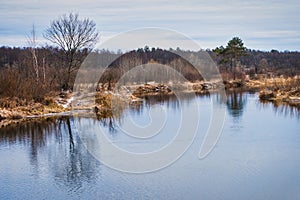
{"x":256,"y":157}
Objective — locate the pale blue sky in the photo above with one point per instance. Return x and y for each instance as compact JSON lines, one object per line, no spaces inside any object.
{"x":264,"y":25}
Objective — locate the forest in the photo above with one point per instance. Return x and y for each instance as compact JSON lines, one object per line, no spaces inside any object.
{"x":33,"y":72}
{"x":19,"y":77}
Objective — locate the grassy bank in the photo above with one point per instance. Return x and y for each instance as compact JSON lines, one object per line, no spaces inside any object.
{"x":281,"y":91}
{"x":105,"y":103}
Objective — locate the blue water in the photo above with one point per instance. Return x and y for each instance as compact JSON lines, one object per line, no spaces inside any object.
{"x":256,"y":156}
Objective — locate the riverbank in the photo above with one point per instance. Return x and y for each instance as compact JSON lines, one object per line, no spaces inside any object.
{"x":14,"y":110}
{"x":278,"y":90}
{"x":290,"y":96}
{"x":285,"y":91}
{"x":106,"y":103}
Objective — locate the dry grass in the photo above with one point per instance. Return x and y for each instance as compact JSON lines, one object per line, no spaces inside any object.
{"x":108,"y":105}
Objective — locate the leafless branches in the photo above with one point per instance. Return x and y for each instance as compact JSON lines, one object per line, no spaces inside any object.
{"x":72,"y":34}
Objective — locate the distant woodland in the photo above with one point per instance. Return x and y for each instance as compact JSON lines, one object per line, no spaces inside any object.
{"x":31,"y":75}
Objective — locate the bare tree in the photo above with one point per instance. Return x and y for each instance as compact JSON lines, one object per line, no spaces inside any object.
{"x":72,"y":35}
{"x":32,"y":48}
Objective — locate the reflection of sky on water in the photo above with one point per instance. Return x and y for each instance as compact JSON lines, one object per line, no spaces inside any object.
{"x":257,"y":157}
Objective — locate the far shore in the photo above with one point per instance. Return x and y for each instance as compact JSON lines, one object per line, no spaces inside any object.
{"x":285,"y":90}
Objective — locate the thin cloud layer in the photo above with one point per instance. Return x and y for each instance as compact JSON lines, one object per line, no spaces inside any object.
{"x":265,"y":25}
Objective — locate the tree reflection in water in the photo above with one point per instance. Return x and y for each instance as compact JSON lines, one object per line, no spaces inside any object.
{"x":109,"y":122}
{"x":53,"y":145}
{"x":281,"y":108}
{"x":116,"y":118}
{"x":236,"y":102}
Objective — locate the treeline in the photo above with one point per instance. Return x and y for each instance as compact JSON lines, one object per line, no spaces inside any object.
{"x":29,"y":74}
{"x":152,"y":64}
{"x":281,"y":63}
{"x":273,"y":62}
{"x":285,"y":63}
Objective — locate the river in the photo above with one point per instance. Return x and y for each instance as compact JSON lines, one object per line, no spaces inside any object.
{"x":256,"y":156}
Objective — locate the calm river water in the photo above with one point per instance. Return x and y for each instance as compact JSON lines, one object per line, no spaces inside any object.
{"x":256,"y":157}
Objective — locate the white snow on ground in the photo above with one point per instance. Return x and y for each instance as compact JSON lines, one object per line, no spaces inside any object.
{"x":69,"y":101}
{"x":65,"y":103}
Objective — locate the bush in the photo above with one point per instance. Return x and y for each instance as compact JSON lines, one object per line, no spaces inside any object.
{"x":15,"y":84}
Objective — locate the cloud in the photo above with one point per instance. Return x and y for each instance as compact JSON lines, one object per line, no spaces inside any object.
{"x":152,"y":37}
{"x":211,"y":23}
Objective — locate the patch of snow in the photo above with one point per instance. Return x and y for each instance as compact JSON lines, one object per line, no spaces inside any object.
{"x":65,"y":105}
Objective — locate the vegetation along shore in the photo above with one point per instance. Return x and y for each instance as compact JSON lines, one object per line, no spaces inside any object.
{"x":37,"y":81}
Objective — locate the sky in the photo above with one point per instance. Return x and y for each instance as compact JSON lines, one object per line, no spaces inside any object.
{"x":262,"y":25}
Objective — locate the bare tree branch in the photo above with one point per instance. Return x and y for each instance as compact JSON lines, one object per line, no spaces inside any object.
{"x":72,"y":34}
